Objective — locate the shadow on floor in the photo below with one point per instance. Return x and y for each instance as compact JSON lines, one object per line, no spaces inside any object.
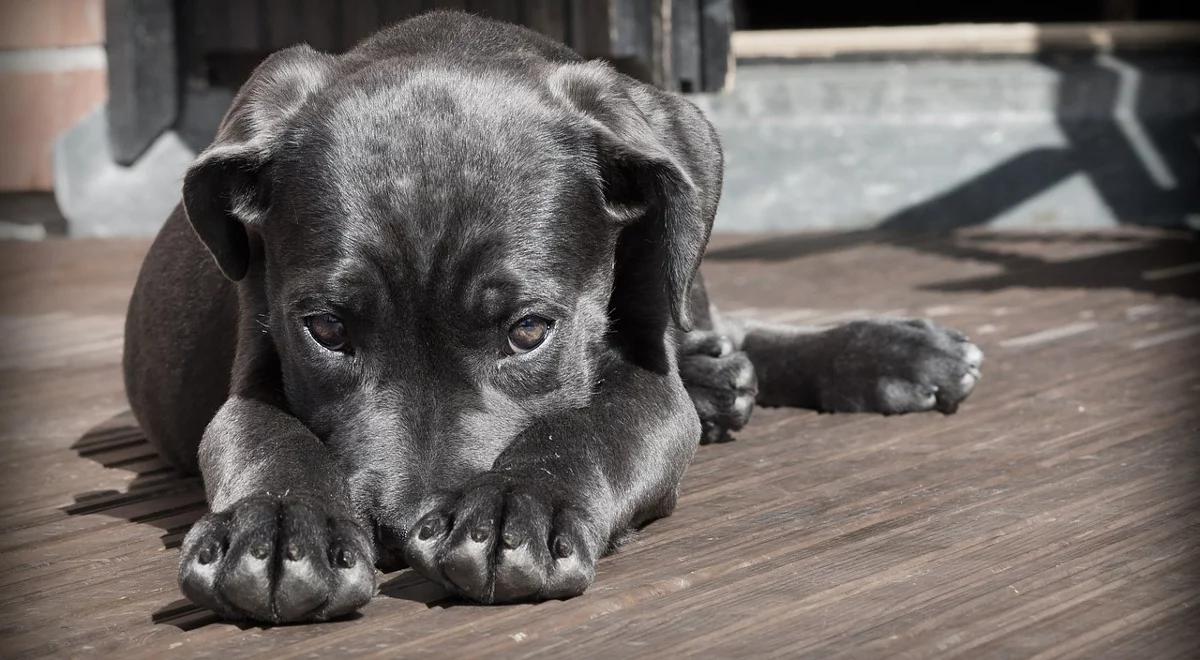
{"x":1160,"y":266}
{"x":404,"y":585}
{"x":407,"y":585}
{"x":1161,"y":263}
{"x":185,"y":616}
{"x":157,"y":496}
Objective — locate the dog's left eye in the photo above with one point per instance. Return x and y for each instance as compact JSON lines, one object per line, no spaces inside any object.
{"x":329,"y":331}
{"x":528,"y":333}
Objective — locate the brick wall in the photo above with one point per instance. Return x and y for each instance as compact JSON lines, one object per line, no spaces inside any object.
{"x":52,"y":74}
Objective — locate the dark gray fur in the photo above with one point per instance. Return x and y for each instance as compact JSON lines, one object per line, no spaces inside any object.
{"x":445,"y":177}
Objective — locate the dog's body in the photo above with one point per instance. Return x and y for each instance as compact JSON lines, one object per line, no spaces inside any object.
{"x":446,"y":324}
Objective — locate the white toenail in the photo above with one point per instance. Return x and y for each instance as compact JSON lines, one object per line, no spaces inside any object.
{"x":972,"y":355}
{"x":744,"y":378}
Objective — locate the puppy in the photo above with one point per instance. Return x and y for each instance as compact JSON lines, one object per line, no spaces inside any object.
{"x":429,"y":303}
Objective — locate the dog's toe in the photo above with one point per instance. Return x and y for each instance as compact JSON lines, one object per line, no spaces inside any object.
{"x":972,"y":355}
{"x":204,"y":551}
{"x":573,"y":557}
{"x":302,"y":588}
{"x":245,"y":579}
{"x":958,"y":377}
{"x":304,"y":574}
{"x":247,"y":586}
{"x":520,"y":573}
{"x":354,"y":575}
{"x":967,"y":382}
{"x":723,"y":389}
{"x":898,"y":396}
{"x":465,"y":565}
{"x":523,"y":555}
{"x":711,"y":344}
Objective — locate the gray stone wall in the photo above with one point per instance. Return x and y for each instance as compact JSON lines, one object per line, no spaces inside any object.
{"x":928,"y":144}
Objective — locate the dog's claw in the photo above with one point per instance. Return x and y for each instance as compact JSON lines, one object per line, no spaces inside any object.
{"x":345,"y":558}
{"x":481,"y":533}
{"x":512,"y":541}
{"x":562,"y":548}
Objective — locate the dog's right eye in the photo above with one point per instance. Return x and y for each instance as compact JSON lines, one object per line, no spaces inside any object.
{"x":528,"y":333}
{"x":329,"y":331}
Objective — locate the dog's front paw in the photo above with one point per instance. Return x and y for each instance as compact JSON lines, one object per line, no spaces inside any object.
{"x":898,"y":366}
{"x":720,"y":381}
{"x":278,"y":559}
{"x":503,"y":539}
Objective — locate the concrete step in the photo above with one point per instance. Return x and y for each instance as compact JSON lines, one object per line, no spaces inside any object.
{"x":919,"y":143}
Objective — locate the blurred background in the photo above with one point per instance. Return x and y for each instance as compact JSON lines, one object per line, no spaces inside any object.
{"x":834,"y":116}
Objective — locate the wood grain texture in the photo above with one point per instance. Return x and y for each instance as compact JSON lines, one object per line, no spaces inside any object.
{"x":1054,"y":516}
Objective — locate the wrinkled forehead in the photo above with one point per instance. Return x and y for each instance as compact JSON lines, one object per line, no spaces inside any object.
{"x":444,"y":171}
{"x":437,"y":136}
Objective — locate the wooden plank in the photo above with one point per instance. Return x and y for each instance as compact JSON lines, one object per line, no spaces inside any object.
{"x":1055,"y":515}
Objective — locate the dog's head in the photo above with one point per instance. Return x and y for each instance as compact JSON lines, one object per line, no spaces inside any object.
{"x":440,"y":254}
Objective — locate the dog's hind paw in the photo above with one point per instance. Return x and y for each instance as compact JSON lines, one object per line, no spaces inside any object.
{"x":277,"y":559}
{"x":720,"y":381}
{"x":898,"y":366}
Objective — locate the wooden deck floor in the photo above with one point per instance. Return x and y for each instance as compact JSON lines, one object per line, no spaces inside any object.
{"x":1055,"y":515}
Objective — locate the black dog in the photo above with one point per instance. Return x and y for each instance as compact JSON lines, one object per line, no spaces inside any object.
{"x":447,"y":324}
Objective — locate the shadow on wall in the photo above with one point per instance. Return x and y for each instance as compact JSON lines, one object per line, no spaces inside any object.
{"x":1124,"y":132}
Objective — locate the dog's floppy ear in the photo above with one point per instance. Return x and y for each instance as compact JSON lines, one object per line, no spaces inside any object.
{"x":659,"y":162}
{"x":227,"y":187}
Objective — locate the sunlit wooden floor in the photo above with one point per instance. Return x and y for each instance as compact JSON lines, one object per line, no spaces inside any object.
{"x":1056,"y":514}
